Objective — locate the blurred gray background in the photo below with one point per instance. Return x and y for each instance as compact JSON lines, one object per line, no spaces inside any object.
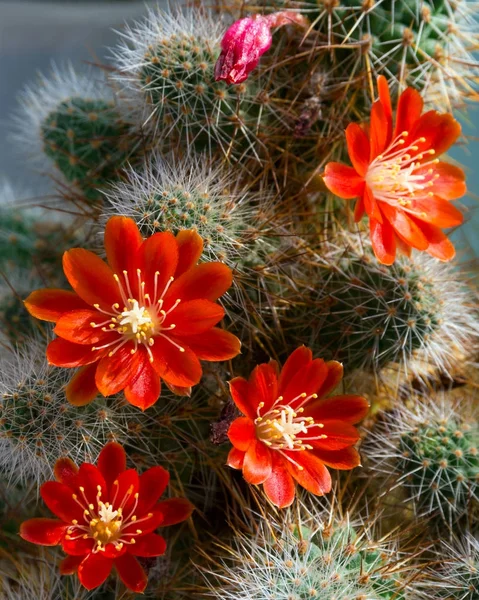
{"x":35,"y":32}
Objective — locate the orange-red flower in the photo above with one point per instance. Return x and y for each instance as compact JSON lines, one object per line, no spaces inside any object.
{"x":149,"y":313}
{"x":290,"y":431}
{"x":400,"y":183}
{"x":107,"y":516}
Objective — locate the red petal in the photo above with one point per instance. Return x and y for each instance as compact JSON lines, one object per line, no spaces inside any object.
{"x":344,"y":460}
{"x":51,"y":304}
{"x":343,"y":181}
{"x":123,"y":490}
{"x":243,"y":397}
{"x":115,"y":372}
{"x":174,"y":511}
{"x":90,"y":478}
{"x":409,"y":110}
{"x":152,"y":521}
{"x":437,"y":211}
{"x":153,"y":483}
{"x":81,"y":389}
{"x":91,"y":278}
{"x":151,"y":544}
{"x":208,"y":281}
{"x":359,"y":210}
{"x":383,"y":241}
{"x":145,"y":389}
{"x":157,"y":254}
{"x":378,"y":130}
{"x":131,"y":573}
{"x":70,"y":564}
{"x":65,"y":471}
{"x":59,"y":499}
{"x":340,"y":435}
{"x":215,"y":344}
{"x":76,"y":326}
{"x":235,"y":459}
{"x":279,"y":487}
{"x":371,"y":206}
{"x":111,"y":462}
{"x":405,"y":227}
{"x":94,"y":570}
{"x":358,"y":148}
{"x":195,"y":317}
{"x":439,"y":244}
{"x":347,"y":408}
{"x":190,"y":248}
{"x":385,"y":99}
{"x":178,"y":368}
{"x":257,"y":463}
{"x":311,"y":473}
{"x":242,"y":433}
{"x":263,"y":385}
{"x":298,"y":359}
{"x":306,"y":382}
{"x":77,"y":547}
{"x":440,"y":131}
{"x":45,"y":532}
{"x":448,"y":180}
{"x":334,"y":376}
{"x":61,"y":353}
{"x":178,"y":390}
{"x":122,"y":241}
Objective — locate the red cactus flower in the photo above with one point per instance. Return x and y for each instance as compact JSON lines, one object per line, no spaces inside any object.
{"x":107,"y":516}
{"x":247,"y":40}
{"x":290,"y":431}
{"x":401,"y":184}
{"x":149,"y":313}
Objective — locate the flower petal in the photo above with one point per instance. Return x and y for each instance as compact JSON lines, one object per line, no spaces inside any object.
{"x":76,"y":326}
{"x":115,"y":372}
{"x":344,"y":460}
{"x":309,"y":471}
{"x":94,"y":570}
{"x":437,"y":211}
{"x":241,"y":433}
{"x":235,"y":459}
{"x":359,"y":210}
{"x":70,"y":564}
{"x":45,"y":532}
{"x":178,"y":368}
{"x":408,"y":111}
{"x":215,"y":345}
{"x":122,"y":240}
{"x":61,"y":353}
{"x":405,"y":227}
{"x":123,"y":490}
{"x":343,"y":181}
{"x":151,"y":544}
{"x":195,"y":317}
{"x":439,"y":130}
{"x":152,"y":521}
{"x":334,"y":376}
{"x":378,"y":130}
{"x":298,"y":359}
{"x":77,"y":547}
{"x":347,"y":408}
{"x":111,"y":462}
{"x":448,"y":180}
{"x":243,"y":397}
{"x":279,"y":487}
{"x":65,"y":471}
{"x":358,"y":148}
{"x":385,"y":99}
{"x":145,"y":389}
{"x":174,"y":511}
{"x":257,"y":464}
{"x":383,"y":241}
{"x":339,"y":435}
{"x":371,"y":206}
{"x":157,"y":260}
{"x":153,"y":483}
{"x":305,"y":383}
{"x":440,"y":246}
{"x":207,"y":280}
{"x":50,"y":304}
{"x":90,"y":479}
{"x":131,"y":573}
{"x":91,"y":278}
{"x":190,"y":248}
{"x":59,"y":499}
{"x":81,"y":389}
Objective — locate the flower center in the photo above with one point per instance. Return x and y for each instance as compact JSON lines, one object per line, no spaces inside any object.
{"x":286,"y":428}
{"x":391,"y":176}
{"x":105,"y":524}
{"x":141,"y":319}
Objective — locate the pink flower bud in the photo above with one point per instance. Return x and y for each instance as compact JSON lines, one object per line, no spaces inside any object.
{"x":246,"y":41}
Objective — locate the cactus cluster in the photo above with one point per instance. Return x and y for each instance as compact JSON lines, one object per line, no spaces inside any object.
{"x":460,"y":569}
